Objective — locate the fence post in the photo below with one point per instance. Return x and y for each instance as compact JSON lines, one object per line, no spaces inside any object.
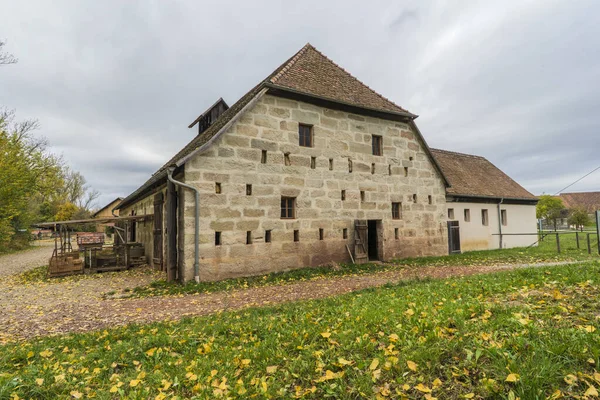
{"x":598,"y":229}
{"x":577,"y":238}
{"x":589,"y":244}
{"x":558,"y":243}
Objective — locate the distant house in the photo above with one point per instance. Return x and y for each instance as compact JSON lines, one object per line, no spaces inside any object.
{"x":589,"y":201}
{"x":485,"y":202}
{"x":107,"y":212}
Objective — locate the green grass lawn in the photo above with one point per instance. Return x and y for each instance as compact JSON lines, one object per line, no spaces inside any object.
{"x":528,"y":333}
{"x":544,"y":252}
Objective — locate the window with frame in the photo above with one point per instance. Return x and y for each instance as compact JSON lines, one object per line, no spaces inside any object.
{"x":467,"y":215}
{"x":396,"y":210}
{"x":503,"y":217}
{"x":288,"y":207}
{"x":305,"y":135}
{"x":484,"y":217}
{"x":451,"y":213}
{"x":377,"y":145}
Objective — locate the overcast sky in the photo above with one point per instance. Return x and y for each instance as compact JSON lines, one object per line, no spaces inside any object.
{"x":114,"y":84}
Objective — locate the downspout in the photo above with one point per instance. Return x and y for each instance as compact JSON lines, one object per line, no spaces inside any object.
{"x":196,"y":222}
{"x":500,"y":222}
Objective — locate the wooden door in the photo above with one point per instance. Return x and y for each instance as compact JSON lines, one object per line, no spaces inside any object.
{"x":157,"y":259}
{"x":361,"y":241}
{"x":453,"y":237}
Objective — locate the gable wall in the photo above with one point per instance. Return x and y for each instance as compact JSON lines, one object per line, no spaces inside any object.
{"x":234,"y":160}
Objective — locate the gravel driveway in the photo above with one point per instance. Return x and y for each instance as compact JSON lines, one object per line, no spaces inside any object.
{"x":50,"y":308}
{"x":37,"y":256}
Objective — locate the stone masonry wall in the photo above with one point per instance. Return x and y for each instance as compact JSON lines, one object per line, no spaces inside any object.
{"x":404,"y":172}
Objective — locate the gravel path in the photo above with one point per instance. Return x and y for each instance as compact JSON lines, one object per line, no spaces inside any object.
{"x":77,"y":306}
{"x":37,"y":256}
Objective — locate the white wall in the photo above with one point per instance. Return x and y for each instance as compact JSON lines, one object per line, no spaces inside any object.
{"x":476,"y":236}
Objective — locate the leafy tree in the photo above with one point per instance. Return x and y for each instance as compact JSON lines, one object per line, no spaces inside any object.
{"x":549,"y":208}
{"x":6,"y":58}
{"x":66,"y":212}
{"x":26,"y":169}
{"x":579,"y":217}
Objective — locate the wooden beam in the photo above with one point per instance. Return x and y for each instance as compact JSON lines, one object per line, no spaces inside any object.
{"x":171,"y":232}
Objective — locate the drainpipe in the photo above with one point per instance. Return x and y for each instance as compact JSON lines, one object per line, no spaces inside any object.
{"x":196,"y":222}
{"x":500,"y":222}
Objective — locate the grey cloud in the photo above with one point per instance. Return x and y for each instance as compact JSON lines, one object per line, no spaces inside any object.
{"x":115,"y":84}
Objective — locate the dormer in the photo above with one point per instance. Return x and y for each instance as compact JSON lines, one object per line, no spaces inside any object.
{"x":208,"y":117}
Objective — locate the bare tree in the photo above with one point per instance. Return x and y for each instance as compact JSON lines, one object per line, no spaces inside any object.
{"x":6,"y":58}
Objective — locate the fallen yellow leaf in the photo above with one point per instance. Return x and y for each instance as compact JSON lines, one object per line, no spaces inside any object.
{"x":134,"y":382}
{"x":591,"y":392}
{"x":412,"y":365}
{"x":422,"y":388}
{"x":512,"y":378}
{"x":374,"y":364}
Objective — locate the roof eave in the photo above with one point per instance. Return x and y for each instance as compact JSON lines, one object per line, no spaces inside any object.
{"x":474,"y":196}
{"x":275,"y":87}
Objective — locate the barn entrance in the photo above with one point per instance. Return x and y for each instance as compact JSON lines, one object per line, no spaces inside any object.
{"x":368,"y":238}
{"x":372,"y":242}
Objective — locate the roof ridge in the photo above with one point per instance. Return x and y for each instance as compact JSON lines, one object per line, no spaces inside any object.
{"x":588,"y":192}
{"x":290,"y":62}
{"x":459,"y":154}
{"x":358,"y":80}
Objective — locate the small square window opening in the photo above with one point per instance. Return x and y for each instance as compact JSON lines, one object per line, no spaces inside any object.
{"x":396,"y":210}
{"x":288,"y":207}
{"x":484,"y":217}
{"x":377,"y":145}
{"x":305,"y":135}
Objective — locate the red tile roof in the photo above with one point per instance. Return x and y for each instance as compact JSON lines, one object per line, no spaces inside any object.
{"x":589,"y":201}
{"x":311,"y":72}
{"x":474,"y":176}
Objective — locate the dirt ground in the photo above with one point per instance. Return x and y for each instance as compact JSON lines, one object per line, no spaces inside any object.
{"x":48,"y":308}
{"x":37,"y":256}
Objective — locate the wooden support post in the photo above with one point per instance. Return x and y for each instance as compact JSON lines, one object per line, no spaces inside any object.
{"x":598,"y":229}
{"x":589,"y":245}
{"x":558,"y":243}
{"x":577,"y":238}
{"x":172,"y":232}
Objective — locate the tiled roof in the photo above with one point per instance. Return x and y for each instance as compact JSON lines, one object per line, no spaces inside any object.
{"x":589,"y":201}
{"x":309,"y":72}
{"x":475,"y":176}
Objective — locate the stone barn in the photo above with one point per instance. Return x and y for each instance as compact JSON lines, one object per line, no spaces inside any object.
{"x":309,"y":167}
